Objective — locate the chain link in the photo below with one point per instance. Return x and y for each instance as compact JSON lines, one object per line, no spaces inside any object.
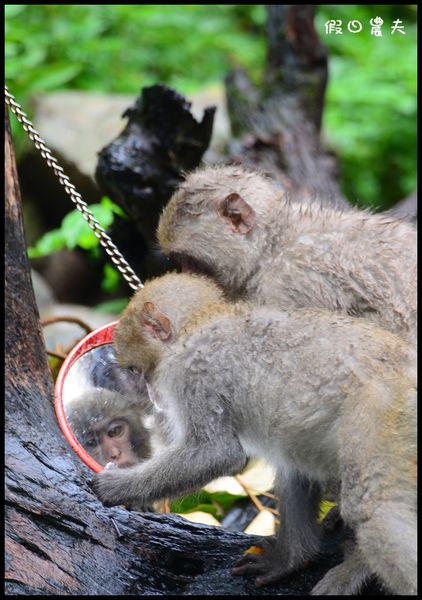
{"x":121,"y":264}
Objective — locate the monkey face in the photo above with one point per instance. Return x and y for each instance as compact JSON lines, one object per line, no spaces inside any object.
{"x":137,"y":348}
{"x":153,"y":319}
{"x":110,"y":441}
{"x":190,"y":264}
{"x":212,"y":224}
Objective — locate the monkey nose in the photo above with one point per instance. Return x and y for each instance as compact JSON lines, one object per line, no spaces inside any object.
{"x":115,"y":454}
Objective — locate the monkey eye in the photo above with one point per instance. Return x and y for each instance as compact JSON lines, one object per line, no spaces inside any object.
{"x":91,"y":442}
{"x":116,"y":430}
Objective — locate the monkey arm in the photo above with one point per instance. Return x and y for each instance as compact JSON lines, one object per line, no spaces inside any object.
{"x":298,"y":537}
{"x":185,"y":466}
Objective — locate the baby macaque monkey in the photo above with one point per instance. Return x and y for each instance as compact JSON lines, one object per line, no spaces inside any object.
{"x":318,"y":394}
{"x":237,"y":226}
{"x":110,"y":427}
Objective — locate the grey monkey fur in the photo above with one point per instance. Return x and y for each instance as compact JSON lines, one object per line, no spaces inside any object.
{"x":289,"y":390}
{"x":271,"y":251}
{"x":293,"y":254}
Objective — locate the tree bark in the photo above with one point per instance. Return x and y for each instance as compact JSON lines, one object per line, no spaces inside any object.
{"x":59,"y":538}
{"x":278,"y":125}
{"x":142,"y":167}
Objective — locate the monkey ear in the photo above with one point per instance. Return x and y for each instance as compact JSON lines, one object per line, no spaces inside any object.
{"x":238,"y":213}
{"x":155,"y":322}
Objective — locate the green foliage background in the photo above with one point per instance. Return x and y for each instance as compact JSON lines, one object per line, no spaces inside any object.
{"x":370,"y":116}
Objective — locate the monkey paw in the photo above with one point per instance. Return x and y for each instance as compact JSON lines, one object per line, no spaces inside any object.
{"x":333,"y":521}
{"x":269,"y":566}
{"x":110,"y":485}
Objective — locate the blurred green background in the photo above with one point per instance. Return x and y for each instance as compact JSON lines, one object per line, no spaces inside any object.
{"x":370,"y":115}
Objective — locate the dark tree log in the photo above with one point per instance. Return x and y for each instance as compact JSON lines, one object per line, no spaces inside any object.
{"x":142,"y":167}
{"x":297,"y":60}
{"x":278,"y":125}
{"x":59,"y":538}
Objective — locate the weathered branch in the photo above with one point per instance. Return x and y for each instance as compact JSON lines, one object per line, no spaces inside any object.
{"x":142,"y":167}
{"x":297,"y":59}
{"x":278,"y":125}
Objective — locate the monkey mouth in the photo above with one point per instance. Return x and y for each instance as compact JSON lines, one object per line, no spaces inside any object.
{"x":128,"y":463}
{"x":188,"y":264}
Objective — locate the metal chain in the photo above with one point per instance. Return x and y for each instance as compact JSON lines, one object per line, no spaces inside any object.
{"x":124,"y":268}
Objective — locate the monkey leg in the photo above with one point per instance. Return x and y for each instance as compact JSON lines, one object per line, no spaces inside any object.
{"x":298,"y":537}
{"x":346,"y":579}
{"x":388,"y":540}
{"x":174,"y":471}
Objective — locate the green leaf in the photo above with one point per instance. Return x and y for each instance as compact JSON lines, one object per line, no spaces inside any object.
{"x":324,"y":508}
{"x":52,"y":77}
{"x":225,"y":500}
{"x":189,"y":503}
{"x":217,"y":503}
{"x":111,"y":280}
{"x":49,"y":243}
{"x":207,"y":508}
{"x":55,"y":76}
{"x":107,"y":203}
{"x":76,"y":231}
{"x":95,"y":252}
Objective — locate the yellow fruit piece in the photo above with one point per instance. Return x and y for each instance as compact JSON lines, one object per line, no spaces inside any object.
{"x":254,"y":550}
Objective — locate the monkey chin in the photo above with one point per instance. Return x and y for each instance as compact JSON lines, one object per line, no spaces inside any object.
{"x":122,"y":465}
{"x":130,"y":463}
{"x":188,"y":264}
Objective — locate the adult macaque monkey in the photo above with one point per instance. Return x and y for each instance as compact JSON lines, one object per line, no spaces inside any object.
{"x":318,"y":394}
{"x":236,"y":226}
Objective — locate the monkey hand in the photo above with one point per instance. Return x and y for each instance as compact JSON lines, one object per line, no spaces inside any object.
{"x":333,"y":521}
{"x":269,"y":566}
{"x":110,"y":485}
